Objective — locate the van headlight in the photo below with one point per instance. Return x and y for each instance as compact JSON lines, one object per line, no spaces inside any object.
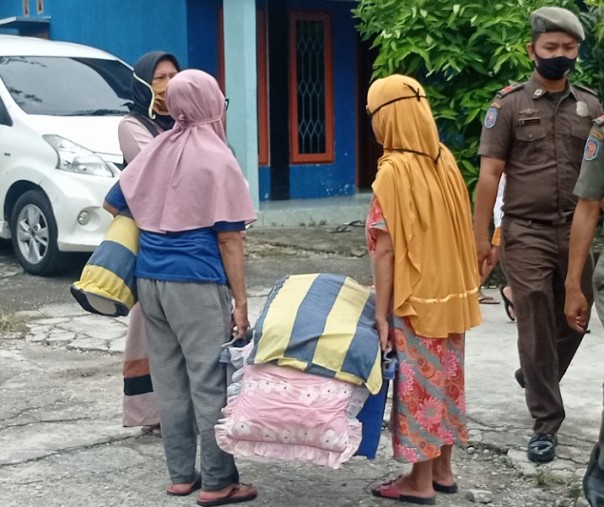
{"x":77,"y":159}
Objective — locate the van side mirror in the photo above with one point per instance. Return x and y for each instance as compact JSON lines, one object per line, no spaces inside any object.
{"x":5,"y":118}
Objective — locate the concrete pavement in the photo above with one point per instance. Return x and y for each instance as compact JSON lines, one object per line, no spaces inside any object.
{"x":60,"y":421}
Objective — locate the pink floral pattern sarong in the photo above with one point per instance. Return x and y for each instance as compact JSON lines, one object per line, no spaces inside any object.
{"x":428,"y":408}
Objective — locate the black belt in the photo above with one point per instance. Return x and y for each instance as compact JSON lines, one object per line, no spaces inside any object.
{"x":561,"y":220}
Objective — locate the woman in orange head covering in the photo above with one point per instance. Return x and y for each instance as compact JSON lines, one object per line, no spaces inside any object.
{"x":419,"y":234}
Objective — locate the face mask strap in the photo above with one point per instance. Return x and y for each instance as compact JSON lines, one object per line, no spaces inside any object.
{"x":150,"y":111}
{"x":421,"y":153}
{"x":416,"y":95}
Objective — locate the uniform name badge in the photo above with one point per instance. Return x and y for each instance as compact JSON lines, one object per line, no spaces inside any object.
{"x":491,"y":117}
{"x":592,"y":148}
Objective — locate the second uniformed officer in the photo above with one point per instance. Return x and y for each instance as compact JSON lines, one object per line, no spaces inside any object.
{"x":590,"y":190}
{"x":535,"y":132}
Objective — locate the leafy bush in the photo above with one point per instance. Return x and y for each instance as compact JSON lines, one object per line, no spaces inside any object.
{"x":592,"y":54}
{"x":462,"y":53}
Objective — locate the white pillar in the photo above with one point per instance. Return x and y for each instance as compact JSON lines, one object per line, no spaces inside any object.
{"x":241,"y":86}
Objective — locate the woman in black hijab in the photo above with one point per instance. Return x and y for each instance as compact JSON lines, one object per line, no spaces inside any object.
{"x":148,"y":118}
{"x":148,"y":114}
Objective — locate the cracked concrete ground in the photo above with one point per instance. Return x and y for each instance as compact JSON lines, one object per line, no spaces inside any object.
{"x":62,"y":444}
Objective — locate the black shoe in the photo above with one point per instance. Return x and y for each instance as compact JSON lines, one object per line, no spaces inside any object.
{"x":542,"y":447}
{"x":519,"y":376}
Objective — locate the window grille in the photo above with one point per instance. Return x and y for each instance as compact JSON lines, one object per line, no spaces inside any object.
{"x":311,"y":97}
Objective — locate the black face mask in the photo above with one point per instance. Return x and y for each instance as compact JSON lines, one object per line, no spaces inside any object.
{"x":554,"y":68}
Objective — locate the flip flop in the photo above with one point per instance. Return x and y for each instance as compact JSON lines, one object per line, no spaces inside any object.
{"x":508,"y":305}
{"x":186,"y":492}
{"x":447,"y":490}
{"x":389,"y":490}
{"x":239,"y":493}
{"x":487,"y":300}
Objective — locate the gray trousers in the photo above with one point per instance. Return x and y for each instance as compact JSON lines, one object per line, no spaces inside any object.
{"x":186,"y":325}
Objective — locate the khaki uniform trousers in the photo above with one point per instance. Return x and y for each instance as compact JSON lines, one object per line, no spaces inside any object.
{"x":535,"y":260}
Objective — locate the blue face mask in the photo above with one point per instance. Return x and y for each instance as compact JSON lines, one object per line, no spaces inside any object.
{"x":554,"y":68}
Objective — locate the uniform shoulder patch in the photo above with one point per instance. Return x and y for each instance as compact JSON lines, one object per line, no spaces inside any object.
{"x":510,"y":89}
{"x":584,"y":88}
{"x":592,"y":148}
{"x":599,"y":121}
{"x":491,"y":117}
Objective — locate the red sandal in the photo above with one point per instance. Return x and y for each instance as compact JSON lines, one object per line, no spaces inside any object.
{"x":239,"y":493}
{"x":389,"y":490}
{"x":185,"y":492}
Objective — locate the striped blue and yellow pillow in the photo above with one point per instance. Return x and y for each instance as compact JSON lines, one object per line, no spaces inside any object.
{"x":323,"y":324}
{"x":107,"y":285}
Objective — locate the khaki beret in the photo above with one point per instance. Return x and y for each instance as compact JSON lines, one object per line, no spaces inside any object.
{"x":556,"y":19}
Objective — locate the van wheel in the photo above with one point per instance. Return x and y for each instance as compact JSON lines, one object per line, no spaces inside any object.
{"x":34,"y":235}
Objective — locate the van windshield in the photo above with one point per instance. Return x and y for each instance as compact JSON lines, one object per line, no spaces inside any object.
{"x":67,"y":86}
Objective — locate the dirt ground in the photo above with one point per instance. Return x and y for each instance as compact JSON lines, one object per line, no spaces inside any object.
{"x":63,"y":408}
{"x":62,"y":444}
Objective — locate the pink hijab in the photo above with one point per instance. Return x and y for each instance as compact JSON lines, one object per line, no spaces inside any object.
{"x":187,"y":177}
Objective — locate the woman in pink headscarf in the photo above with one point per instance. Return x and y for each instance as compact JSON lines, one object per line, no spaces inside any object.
{"x":188,"y":196}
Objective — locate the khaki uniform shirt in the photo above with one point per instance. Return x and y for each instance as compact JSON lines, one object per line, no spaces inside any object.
{"x":541,"y":137}
{"x":590,"y":184}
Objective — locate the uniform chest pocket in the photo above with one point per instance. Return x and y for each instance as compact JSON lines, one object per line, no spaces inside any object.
{"x":530,"y":146}
{"x":530,"y":133}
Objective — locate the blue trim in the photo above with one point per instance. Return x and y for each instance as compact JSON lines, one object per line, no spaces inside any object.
{"x":264,"y":183}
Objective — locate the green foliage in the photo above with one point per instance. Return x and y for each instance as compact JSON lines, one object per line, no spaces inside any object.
{"x":462,"y":52}
{"x":597,"y":29}
{"x":592,"y":68}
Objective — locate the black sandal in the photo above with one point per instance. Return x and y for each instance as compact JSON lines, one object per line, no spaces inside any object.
{"x":507,"y":304}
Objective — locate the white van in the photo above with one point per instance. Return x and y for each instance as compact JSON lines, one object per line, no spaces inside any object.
{"x":60,"y":105}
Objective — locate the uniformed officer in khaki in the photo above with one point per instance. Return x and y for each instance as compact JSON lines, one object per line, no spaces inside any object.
{"x":535,"y":132}
{"x":590,"y":191}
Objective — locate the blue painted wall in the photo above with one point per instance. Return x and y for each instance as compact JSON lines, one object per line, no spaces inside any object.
{"x":188,"y":28}
{"x":10,"y":8}
{"x":327,"y":180}
{"x":124,"y":28}
{"x":202,"y":29}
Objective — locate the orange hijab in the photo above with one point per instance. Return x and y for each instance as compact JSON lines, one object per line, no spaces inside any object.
{"x":426,"y":207}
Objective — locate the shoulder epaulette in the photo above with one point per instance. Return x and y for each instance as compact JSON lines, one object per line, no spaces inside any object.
{"x":509,"y":89}
{"x":585,"y":89}
{"x":599,"y":121}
